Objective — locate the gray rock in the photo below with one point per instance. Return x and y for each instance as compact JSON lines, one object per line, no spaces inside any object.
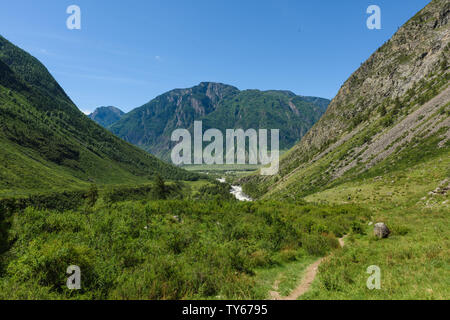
{"x":381,"y":230}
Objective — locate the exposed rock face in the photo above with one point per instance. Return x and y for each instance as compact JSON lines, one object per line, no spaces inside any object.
{"x":415,"y":51}
{"x":397,"y":99}
{"x":381,"y":230}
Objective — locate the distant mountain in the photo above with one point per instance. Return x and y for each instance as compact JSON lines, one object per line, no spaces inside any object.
{"x":106,"y":116}
{"x":47,"y":143}
{"x":219,"y":106}
{"x":392,"y":113}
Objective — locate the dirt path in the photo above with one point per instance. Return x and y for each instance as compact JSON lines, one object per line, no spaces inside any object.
{"x":307,"y":280}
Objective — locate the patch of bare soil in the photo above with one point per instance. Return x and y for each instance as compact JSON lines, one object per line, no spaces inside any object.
{"x":308,"y":279}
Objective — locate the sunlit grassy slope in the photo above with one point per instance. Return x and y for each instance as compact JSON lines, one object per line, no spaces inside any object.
{"x":415,"y":259}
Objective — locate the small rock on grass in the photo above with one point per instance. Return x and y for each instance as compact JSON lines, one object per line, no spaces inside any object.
{"x":381,"y":230}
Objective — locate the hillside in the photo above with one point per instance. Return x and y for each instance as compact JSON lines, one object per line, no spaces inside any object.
{"x":218,"y":106}
{"x":106,"y":116}
{"x":48,"y":144}
{"x":391,"y":114}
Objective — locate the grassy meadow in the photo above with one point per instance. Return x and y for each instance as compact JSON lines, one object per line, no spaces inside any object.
{"x":415,"y":259}
{"x":155,"y":242}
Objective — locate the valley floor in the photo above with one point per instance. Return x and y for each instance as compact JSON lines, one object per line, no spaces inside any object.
{"x":193,"y":240}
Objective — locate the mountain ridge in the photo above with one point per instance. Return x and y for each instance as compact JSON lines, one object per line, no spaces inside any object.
{"x":397,"y":100}
{"x":219,"y":106}
{"x":106,"y":116}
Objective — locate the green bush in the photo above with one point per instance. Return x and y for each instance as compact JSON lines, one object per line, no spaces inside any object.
{"x":316,"y":245}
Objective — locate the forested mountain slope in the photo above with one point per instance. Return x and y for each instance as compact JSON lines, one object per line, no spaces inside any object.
{"x":47,"y":143}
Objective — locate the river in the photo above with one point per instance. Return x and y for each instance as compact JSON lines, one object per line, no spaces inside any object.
{"x":237,"y":192}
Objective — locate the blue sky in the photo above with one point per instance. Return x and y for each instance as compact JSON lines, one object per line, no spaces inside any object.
{"x":128,"y":52}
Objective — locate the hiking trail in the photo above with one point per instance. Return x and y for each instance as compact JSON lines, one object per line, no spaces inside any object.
{"x":305,"y":284}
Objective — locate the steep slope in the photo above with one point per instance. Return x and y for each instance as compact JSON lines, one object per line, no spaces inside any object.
{"x":106,"y":116}
{"x":47,"y":143}
{"x":393,"y":111}
{"x":218,"y":106}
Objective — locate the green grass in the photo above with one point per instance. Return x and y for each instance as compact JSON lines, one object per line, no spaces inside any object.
{"x":166,"y":249}
{"x":229,"y":171}
{"x":415,"y":259}
{"x":221,"y":168}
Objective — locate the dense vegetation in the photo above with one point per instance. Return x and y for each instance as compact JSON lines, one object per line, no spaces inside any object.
{"x":164,"y":249}
{"x":47,"y":143}
{"x":218,"y":106}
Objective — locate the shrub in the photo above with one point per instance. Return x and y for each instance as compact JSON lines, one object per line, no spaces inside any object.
{"x":316,"y":245}
{"x":92,"y":195}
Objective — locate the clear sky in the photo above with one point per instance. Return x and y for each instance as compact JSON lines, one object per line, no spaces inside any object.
{"x":128,"y":52}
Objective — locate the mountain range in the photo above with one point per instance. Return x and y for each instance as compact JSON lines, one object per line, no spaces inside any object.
{"x":218,"y":106}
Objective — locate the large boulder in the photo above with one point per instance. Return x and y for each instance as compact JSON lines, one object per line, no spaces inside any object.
{"x":381,"y":230}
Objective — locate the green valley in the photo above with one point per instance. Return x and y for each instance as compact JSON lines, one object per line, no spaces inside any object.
{"x":73,"y":193}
